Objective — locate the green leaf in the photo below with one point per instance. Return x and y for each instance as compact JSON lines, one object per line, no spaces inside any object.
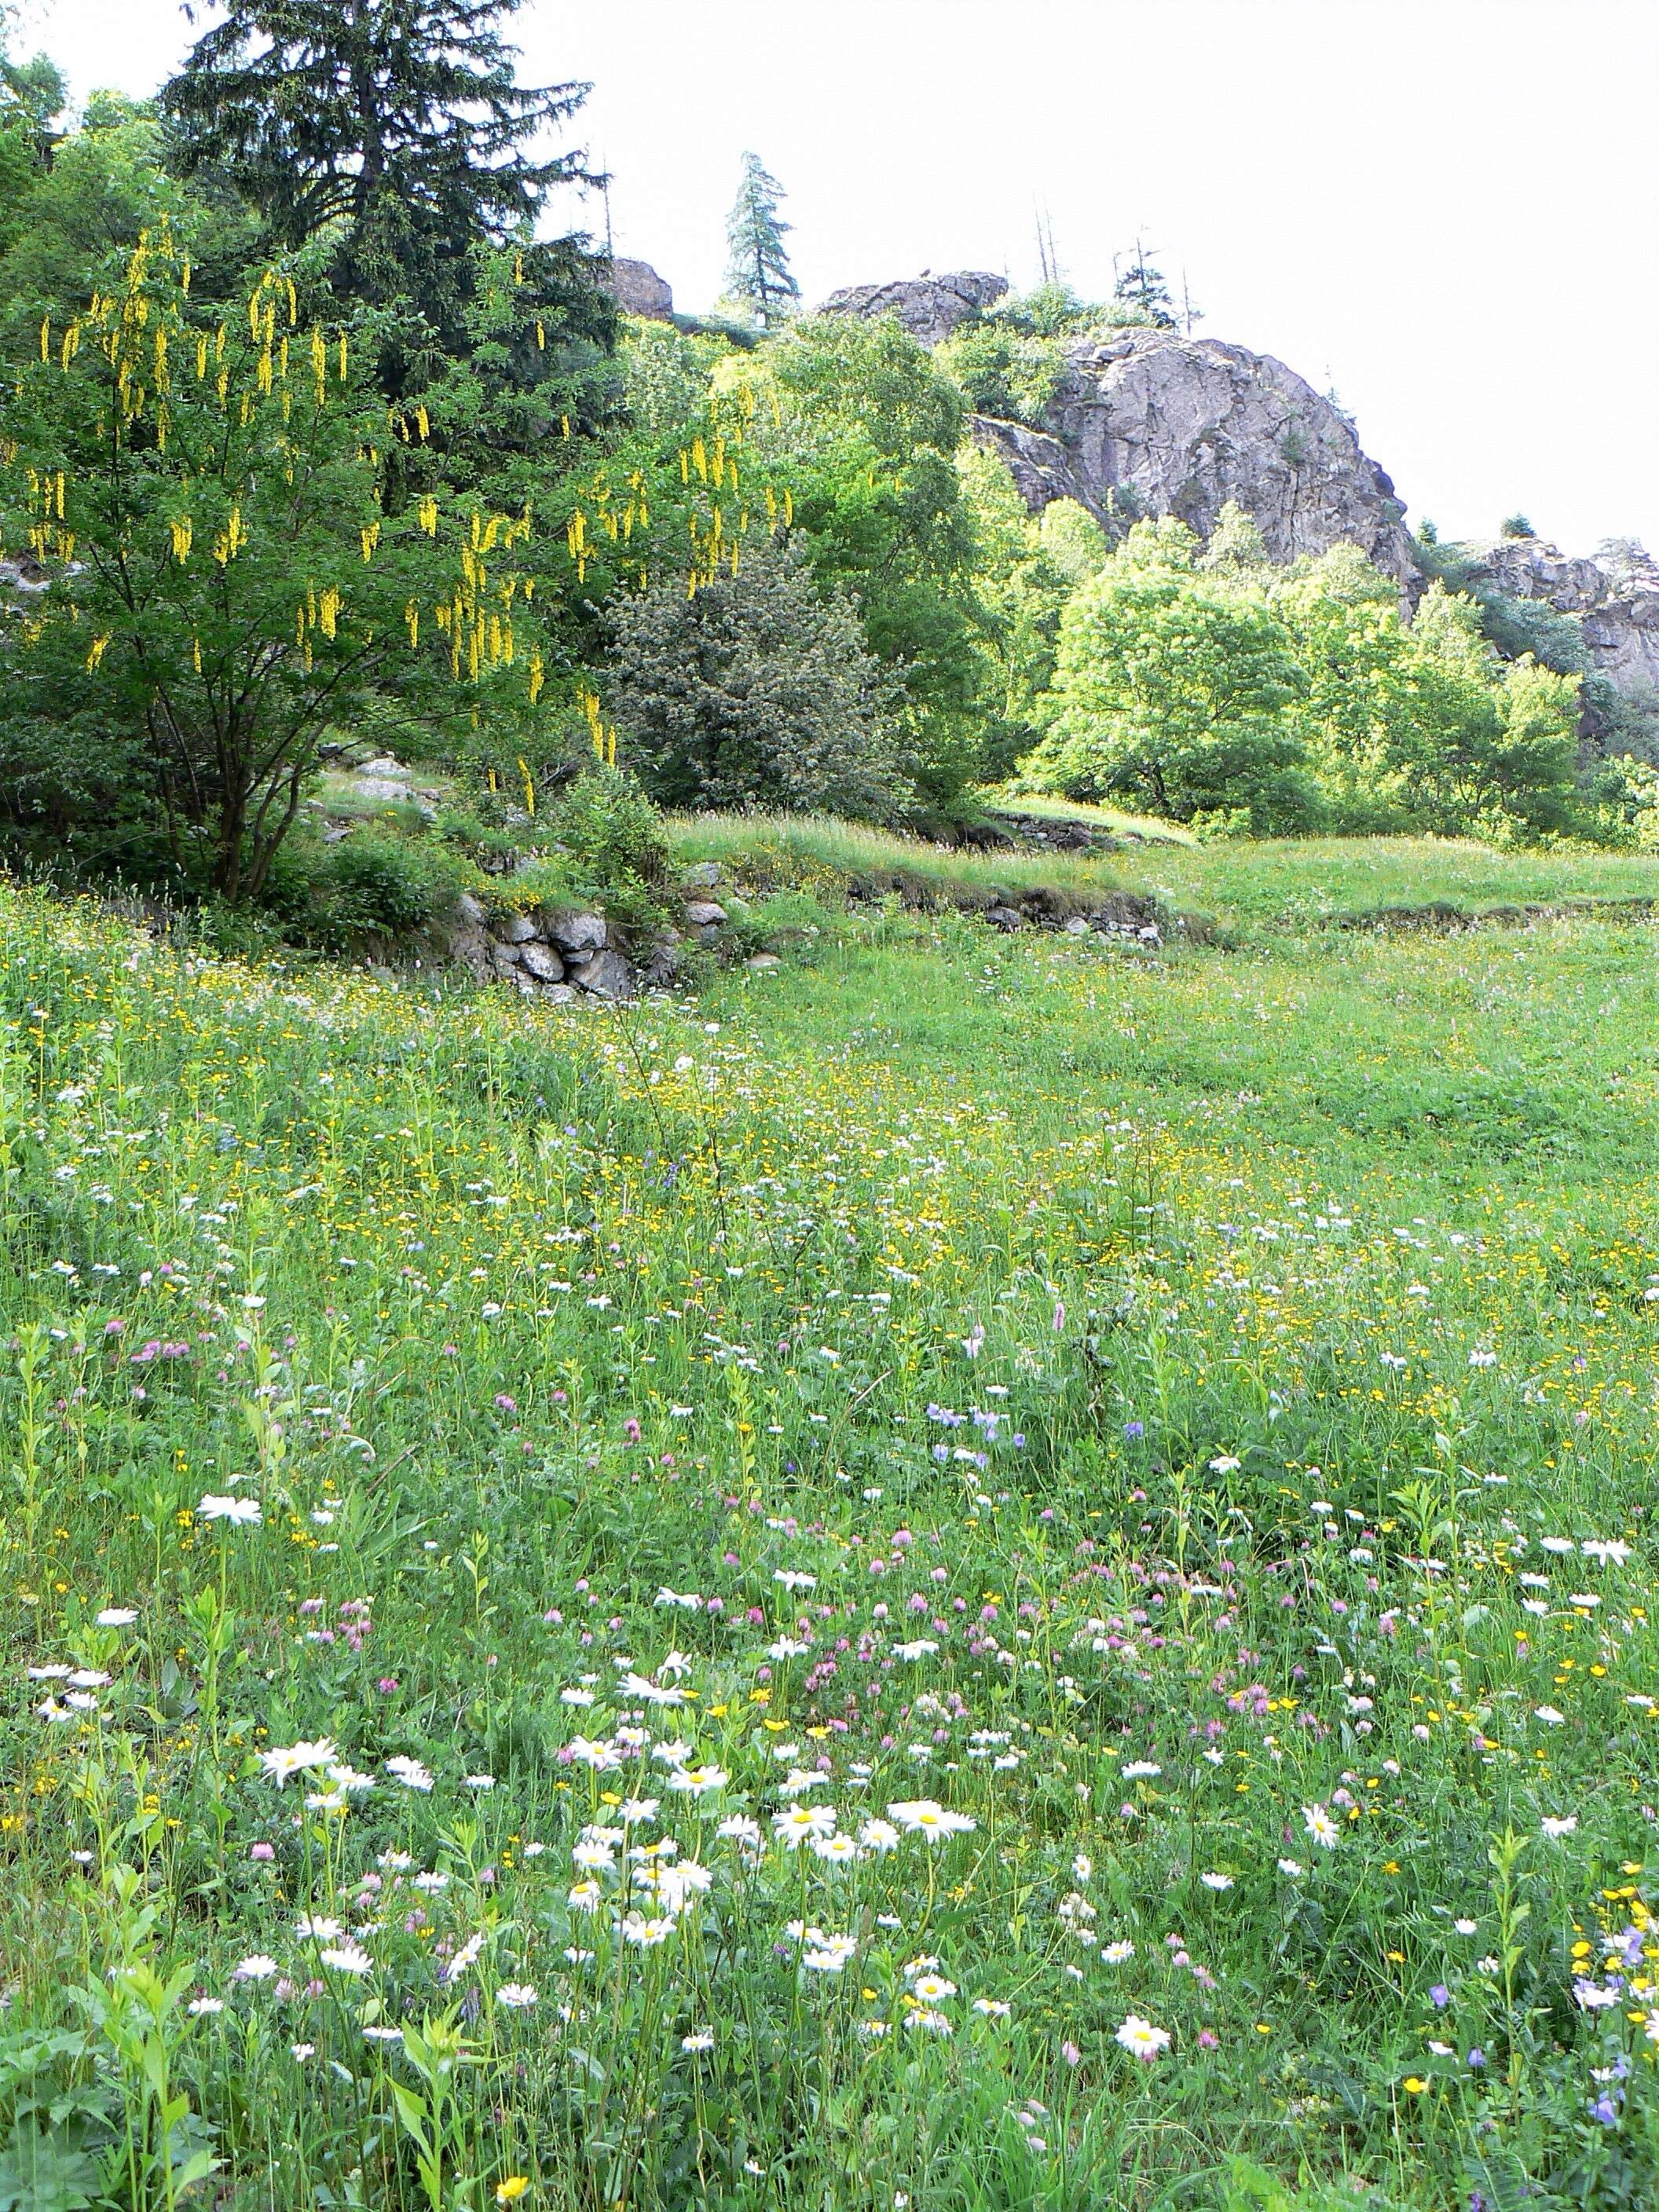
{"x":42,"y":2173}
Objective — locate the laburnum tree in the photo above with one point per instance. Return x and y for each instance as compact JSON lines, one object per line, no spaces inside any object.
{"x":220,"y":584}
{"x":396,"y":134}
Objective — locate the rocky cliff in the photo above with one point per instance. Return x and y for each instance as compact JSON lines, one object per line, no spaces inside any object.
{"x":1618,"y":607}
{"x":930,"y":307}
{"x":638,"y":290}
{"x":1147,"y":422}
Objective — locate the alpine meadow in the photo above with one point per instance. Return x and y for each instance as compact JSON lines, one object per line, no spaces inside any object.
{"x":829,"y":1162}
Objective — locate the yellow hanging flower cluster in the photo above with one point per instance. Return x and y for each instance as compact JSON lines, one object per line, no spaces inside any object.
{"x":603,"y":733}
{"x":231,"y":540}
{"x":150,"y":346}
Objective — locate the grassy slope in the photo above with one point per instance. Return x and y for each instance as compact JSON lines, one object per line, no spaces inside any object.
{"x":1202,"y":1196}
{"x":1275,"y":884}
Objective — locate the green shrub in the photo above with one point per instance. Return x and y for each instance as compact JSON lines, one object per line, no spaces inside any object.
{"x":611,"y":852}
{"x":373,"y":883}
{"x":606,"y":820}
{"x":755,"y":692}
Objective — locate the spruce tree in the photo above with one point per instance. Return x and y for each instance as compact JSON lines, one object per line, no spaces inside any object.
{"x":1141,"y":285}
{"x":758,"y":275}
{"x":398,"y":127}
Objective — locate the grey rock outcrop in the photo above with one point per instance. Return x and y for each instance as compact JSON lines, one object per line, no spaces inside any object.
{"x":555,"y":958}
{"x":542,"y":963}
{"x":930,"y":307}
{"x":1040,"y":465}
{"x":638,"y":290}
{"x":574,"y":933}
{"x":1148,"y":422}
{"x":1618,"y":608}
{"x":606,"y":974}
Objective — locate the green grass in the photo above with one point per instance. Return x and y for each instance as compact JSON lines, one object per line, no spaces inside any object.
{"x":820,"y":852}
{"x":1246,"y":887}
{"x":1166,"y":1369}
{"x":1148,"y":829}
{"x":1284,"y":883}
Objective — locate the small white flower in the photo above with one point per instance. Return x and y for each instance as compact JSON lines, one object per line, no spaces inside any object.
{"x":347,"y":1959}
{"x":1115,"y":1954}
{"x":920,"y":1816}
{"x":463,"y":1959}
{"x":1141,"y":2040}
{"x":1548,"y":1715}
{"x":1605,"y":1553}
{"x":241,"y":1512}
{"x":517,"y":1996}
{"x":1563,"y":1826}
{"x":797,"y":1823}
{"x":200,"y":2005}
{"x":1320,"y":1826}
{"x":281,"y":1760}
{"x":1216,"y":1881}
{"x":117,"y":1616}
{"x":1294,"y":1867}
{"x":255,"y":1968}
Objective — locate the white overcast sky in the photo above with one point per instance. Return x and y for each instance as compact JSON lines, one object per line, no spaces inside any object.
{"x":1446,"y":209}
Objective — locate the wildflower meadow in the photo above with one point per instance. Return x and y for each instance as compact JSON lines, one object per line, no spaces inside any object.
{"x":978,"y":1573}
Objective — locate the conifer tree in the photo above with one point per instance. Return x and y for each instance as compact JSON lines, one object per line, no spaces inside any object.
{"x":398,"y":127}
{"x":1141,"y":285}
{"x":758,"y":275}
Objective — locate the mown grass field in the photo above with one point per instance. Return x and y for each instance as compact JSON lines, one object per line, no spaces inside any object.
{"x":1062,"y":1533}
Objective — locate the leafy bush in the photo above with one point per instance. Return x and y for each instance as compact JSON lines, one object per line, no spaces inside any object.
{"x":373,"y":883}
{"x":606,"y":820}
{"x":1010,"y":374}
{"x":1176,"y":694}
{"x":755,"y":692}
{"x":1622,"y":801}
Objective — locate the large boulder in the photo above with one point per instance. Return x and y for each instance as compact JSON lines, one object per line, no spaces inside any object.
{"x":1618,"y":607}
{"x":638,"y":290}
{"x":1149,"y":422}
{"x":574,"y":932}
{"x":930,"y":307}
{"x":605,"y":973}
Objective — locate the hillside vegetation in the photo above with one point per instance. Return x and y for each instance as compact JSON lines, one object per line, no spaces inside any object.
{"x":990,"y":1570}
